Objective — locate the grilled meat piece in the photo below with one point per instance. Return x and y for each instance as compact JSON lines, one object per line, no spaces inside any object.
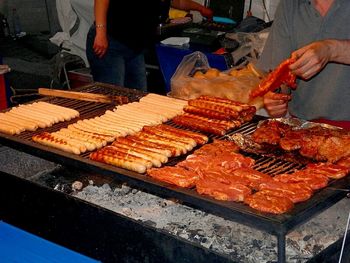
{"x":313,"y":180}
{"x":268,"y":203}
{"x":226,"y":161}
{"x":310,"y":145}
{"x":270,"y":132}
{"x":332,"y":171}
{"x":317,"y":143}
{"x":220,"y":191}
{"x":174,"y":175}
{"x":344,"y":161}
{"x":280,"y":75}
{"x":334,"y":148}
{"x":293,"y":139}
{"x":296,"y":192}
{"x":224,"y":177}
{"x":255,"y":177}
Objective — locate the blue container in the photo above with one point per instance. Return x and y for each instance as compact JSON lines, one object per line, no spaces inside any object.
{"x":169,"y":57}
{"x":19,"y":246}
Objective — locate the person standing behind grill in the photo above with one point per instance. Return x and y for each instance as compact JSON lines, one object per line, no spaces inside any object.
{"x":121,"y":33}
{"x":316,"y":35}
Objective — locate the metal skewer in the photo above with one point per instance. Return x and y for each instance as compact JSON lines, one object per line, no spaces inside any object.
{"x":345,"y":234}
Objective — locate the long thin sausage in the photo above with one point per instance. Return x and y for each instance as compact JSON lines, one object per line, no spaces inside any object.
{"x":119,"y":162}
{"x":199,"y":138}
{"x":156,"y":155}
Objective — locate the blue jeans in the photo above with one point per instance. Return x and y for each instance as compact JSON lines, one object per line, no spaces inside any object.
{"x":119,"y":66}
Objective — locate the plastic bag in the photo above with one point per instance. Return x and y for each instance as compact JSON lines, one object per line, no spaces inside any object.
{"x":250,"y":46}
{"x":194,"y":77}
{"x":191,"y":63}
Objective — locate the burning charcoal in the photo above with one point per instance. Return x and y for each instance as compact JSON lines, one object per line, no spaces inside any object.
{"x":105,"y":192}
{"x":77,"y":186}
{"x":307,"y":237}
{"x":222,"y":230}
{"x":317,"y":249}
{"x":165,"y":203}
{"x":122,"y":191}
{"x":162,"y":203}
{"x":127,"y":211}
{"x":90,"y":190}
{"x":257,"y":243}
{"x":150,"y":223}
{"x":215,"y":233}
{"x":106,"y":187}
{"x":63,"y":188}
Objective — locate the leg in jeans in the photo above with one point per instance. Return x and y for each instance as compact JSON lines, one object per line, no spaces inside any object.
{"x":108,"y":69}
{"x":119,"y":66}
{"x":136,"y":72}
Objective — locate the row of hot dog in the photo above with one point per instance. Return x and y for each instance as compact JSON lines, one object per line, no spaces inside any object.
{"x":95,"y":133}
{"x":138,"y":120}
{"x":133,"y":137}
{"x":32,"y":116}
{"x":207,"y":114}
{"x":149,"y":148}
{"x":214,"y":115}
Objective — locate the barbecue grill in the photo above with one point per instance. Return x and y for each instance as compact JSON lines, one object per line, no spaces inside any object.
{"x":278,"y":225}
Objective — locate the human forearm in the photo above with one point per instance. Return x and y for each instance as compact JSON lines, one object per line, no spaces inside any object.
{"x":100,"y":10}
{"x":340,"y":50}
{"x":312,"y":58}
{"x":188,"y":5}
{"x":101,"y":42}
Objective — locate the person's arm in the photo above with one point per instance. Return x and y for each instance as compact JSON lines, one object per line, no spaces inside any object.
{"x":276,"y":104}
{"x":101,"y":39}
{"x":188,"y":5}
{"x":4,"y":69}
{"x":312,"y":58}
{"x":277,"y":48}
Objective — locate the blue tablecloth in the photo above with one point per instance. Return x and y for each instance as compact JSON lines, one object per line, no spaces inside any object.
{"x":19,"y":246}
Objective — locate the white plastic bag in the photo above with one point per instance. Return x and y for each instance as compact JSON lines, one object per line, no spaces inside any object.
{"x":194,"y":77}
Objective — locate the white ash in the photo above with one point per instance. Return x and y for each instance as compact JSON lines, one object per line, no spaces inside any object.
{"x":77,"y":186}
{"x":24,"y":165}
{"x":222,"y":236}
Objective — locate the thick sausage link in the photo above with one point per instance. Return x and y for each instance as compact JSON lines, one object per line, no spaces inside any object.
{"x":119,"y":162}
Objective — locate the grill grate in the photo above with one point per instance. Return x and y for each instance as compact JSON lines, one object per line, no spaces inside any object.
{"x":274,"y":224}
{"x":86,"y":109}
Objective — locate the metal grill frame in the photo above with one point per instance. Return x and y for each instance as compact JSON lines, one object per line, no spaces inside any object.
{"x":278,"y":225}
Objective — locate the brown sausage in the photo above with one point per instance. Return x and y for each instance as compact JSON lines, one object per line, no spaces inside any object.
{"x":199,"y":138}
{"x":119,"y":162}
{"x":112,"y":151}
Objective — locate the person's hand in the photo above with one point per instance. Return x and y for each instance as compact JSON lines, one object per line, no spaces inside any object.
{"x":207,"y":12}
{"x":4,"y":69}
{"x":100,"y":44}
{"x":311,"y":59}
{"x":276,"y":104}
